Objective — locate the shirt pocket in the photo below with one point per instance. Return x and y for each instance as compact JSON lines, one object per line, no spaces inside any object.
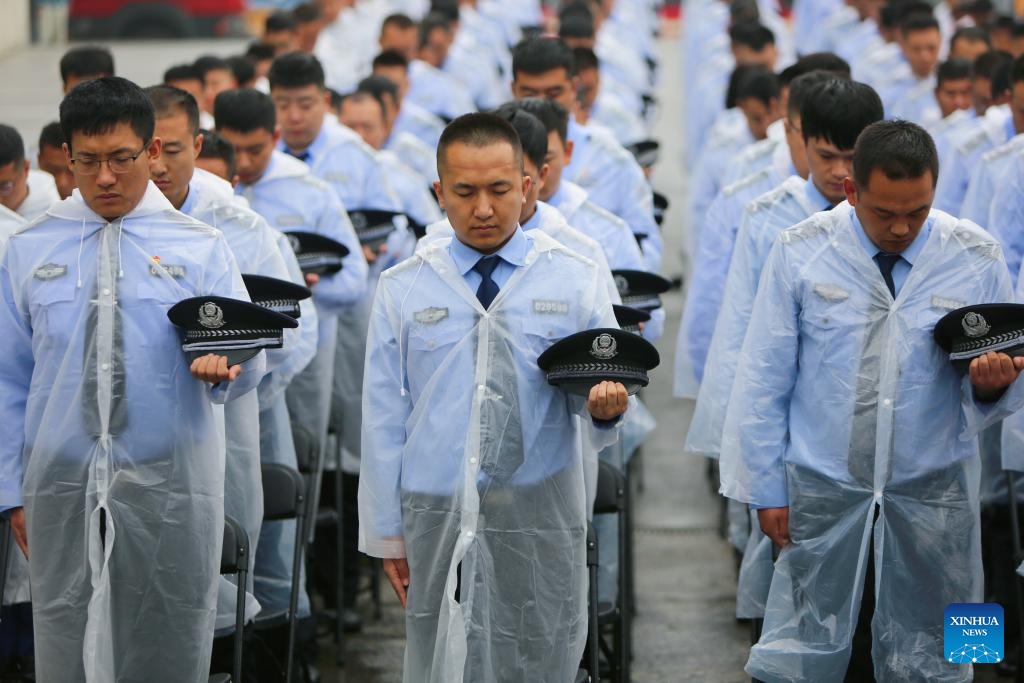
{"x":52,"y":307}
{"x":429,"y":348}
{"x":831,"y":336}
{"x":541,"y":331}
{"x":146,"y":311}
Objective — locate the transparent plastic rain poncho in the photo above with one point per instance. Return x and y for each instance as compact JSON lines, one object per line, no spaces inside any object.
{"x":42,"y":192}
{"x":762,"y":222}
{"x":706,"y":284}
{"x":486,"y":467}
{"x":615,"y":181}
{"x":259,"y":250}
{"x":102,"y":418}
{"x":290,"y":198}
{"x":1007,"y":214}
{"x":347,"y":389}
{"x":843,"y":402}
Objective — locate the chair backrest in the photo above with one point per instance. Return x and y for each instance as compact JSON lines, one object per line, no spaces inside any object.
{"x":306,"y":447}
{"x":611,"y":489}
{"x":283,"y":492}
{"x":591,"y":545}
{"x":234,"y":555}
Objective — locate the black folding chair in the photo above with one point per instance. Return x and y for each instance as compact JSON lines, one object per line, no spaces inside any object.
{"x":234,"y":559}
{"x":591,"y":673}
{"x":284,"y":498}
{"x":615,"y":619}
{"x":1018,"y":557}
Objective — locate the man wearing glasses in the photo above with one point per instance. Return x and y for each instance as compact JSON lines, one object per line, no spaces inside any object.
{"x":24,"y":193}
{"x":111,"y":458}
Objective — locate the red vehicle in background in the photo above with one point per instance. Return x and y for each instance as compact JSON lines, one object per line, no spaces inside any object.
{"x":157,"y":19}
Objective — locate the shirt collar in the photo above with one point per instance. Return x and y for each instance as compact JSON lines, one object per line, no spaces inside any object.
{"x":314,"y":147}
{"x":189,"y":205}
{"x":534,"y":221}
{"x":910,"y":254}
{"x":815,"y":198}
{"x":513,"y":252}
{"x":1011,"y":130}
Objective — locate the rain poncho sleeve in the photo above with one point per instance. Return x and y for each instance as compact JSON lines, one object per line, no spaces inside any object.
{"x":763,"y":220}
{"x":1006,"y":214}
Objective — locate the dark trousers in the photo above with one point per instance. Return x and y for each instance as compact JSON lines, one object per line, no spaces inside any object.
{"x":323,"y":556}
{"x":861,"y":668}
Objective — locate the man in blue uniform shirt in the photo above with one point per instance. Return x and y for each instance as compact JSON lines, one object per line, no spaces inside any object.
{"x":852,"y":433}
{"x":108,"y":439}
{"x":479,"y":504}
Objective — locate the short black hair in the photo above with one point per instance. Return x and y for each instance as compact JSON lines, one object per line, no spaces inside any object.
{"x":432,"y":22}
{"x":259,"y":51}
{"x":361,"y":95}
{"x":1017,"y":70}
{"x":816,"y":61}
{"x":307,"y":13}
{"x":402,"y":22}
{"x":737,"y":75}
{"x":447,"y":9}
{"x":296,"y":70}
{"x":972,"y":34}
{"x":245,"y":110}
{"x":242,"y":68}
{"x":585,"y":59}
{"x":751,"y":34}
{"x":989,"y":62}
{"x":216,"y":147}
{"x":741,"y":11}
{"x":759,"y":83}
{"x":379,"y":87}
{"x":952,"y":70}
{"x":1002,"y":79}
{"x":479,"y":130}
{"x":837,"y":111}
{"x":390,"y":58}
{"x":918,"y":21}
{"x":51,"y":135}
{"x":533,"y":136}
{"x":279,"y":21}
{"x":12,"y":147}
{"x":575,"y":24}
{"x":802,"y":86}
{"x":87,"y":60}
{"x":554,"y":116}
{"x":207,"y":63}
{"x":168,"y":101}
{"x":96,"y":107}
{"x":538,"y":55}
{"x":900,"y":149}
{"x":893,"y":14}
{"x":182,"y":72}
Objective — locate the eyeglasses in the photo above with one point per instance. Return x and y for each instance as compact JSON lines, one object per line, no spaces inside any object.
{"x":118,"y":164}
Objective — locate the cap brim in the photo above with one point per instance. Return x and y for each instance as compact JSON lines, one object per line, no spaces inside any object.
{"x":573,"y":382}
{"x":234,"y":356}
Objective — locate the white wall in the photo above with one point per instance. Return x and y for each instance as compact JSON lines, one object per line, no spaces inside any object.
{"x":14,"y":29}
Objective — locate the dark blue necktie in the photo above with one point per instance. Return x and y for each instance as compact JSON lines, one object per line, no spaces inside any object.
{"x":301,"y":156}
{"x":488,"y":288}
{"x":886,"y":262}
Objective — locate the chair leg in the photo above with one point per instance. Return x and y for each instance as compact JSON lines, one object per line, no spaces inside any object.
{"x":625,"y":609}
{"x":339,"y":503}
{"x":236,"y":660}
{"x":375,"y":590}
{"x":293,"y":605}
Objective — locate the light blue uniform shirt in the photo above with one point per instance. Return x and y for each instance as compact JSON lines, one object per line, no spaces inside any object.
{"x":512,"y":255}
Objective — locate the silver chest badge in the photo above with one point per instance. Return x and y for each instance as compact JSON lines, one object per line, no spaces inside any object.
{"x":604,"y":347}
{"x":975,"y":325}
{"x":211,"y":316}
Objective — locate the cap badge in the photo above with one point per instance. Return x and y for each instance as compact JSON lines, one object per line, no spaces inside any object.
{"x":211,"y":316}
{"x":604,"y":347}
{"x":975,"y":325}
{"x":295,"y":244}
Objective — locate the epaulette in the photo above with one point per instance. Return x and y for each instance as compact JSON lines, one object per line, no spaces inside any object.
{"x":768,"y":199}
{"x":1015,"y":145}
{"x":812,"y":227}
{"x":745,"y":182}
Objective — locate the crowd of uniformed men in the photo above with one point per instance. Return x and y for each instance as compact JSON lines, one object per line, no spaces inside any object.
{"x":841,"y":157}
